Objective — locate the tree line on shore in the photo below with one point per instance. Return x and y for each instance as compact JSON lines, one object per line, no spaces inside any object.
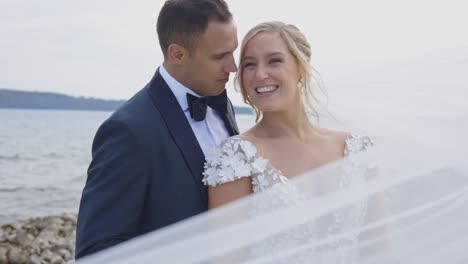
{"x":15,"y":99}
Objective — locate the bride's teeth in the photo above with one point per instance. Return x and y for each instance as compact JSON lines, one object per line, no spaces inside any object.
{"x":265,"y":89}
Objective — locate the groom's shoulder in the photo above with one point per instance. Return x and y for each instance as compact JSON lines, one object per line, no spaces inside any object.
{"x":138,"y":111}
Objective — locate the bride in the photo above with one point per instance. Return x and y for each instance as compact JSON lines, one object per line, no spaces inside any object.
{"x":274,"y":78}
{"x":320,"y":195}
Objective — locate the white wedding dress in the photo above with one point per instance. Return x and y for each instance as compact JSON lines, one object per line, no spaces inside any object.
{"x":236,"y":158}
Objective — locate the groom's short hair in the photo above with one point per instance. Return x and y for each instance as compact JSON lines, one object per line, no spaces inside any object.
{"x":183,"y":21}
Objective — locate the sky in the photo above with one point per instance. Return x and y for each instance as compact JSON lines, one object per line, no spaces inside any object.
{"x":109,"y":49}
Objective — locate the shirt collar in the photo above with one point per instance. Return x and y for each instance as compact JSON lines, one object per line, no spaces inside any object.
{"x":179,"y":90}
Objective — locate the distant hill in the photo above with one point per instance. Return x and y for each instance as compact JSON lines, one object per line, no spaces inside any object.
{"x":46,"y":100}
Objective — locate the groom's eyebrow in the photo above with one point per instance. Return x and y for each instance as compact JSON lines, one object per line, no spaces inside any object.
{"x":220,"y":55}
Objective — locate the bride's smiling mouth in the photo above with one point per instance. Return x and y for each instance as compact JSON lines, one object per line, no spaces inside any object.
{"x":266,"y":89}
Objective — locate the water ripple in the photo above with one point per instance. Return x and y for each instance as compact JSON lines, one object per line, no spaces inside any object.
{"x":15,"y":157}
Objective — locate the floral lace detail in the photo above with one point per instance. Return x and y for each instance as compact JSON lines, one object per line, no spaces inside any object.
{"x":356,"y":143}
{"x":238,"y":158}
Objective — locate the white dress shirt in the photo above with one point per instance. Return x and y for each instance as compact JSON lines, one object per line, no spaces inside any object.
{"x":209,"y":132}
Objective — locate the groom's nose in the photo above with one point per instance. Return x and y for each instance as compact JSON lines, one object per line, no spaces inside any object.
{"x":231,"y":65}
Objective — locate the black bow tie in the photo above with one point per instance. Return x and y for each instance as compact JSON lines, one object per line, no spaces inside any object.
{"x":197,"y":105}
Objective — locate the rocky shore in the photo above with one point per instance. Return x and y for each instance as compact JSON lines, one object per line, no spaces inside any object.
{"x":39,"y":240}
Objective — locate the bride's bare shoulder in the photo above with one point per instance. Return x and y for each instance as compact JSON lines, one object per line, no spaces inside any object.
{"x":339,"y":137}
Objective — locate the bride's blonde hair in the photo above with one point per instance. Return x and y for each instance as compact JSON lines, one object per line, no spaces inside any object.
{"x":299,"y":47}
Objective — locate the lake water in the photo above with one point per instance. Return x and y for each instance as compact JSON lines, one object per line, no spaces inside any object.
{"x":44,"y":156}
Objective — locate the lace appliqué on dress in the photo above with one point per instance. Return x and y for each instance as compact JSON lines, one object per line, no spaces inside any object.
{"x":237,"y":158}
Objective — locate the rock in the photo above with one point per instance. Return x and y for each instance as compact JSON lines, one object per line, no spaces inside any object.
{"x":16,"y":255}
{"x":35,"y":259}
{"x":46,"y":255}
{"x":8,"y":228}
{"x":3,"y":255}
{"x":66,"y":254}
{"x":31,"y":229}
{"x":42,"y":243}
{"x":21,"y":237}
{"x":57,"y":260}
{"x":46,"y":235}
{"x":33,"y":249}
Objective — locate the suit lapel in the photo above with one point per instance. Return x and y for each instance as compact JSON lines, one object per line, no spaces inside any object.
{"x":180,"y":129}
{"x":231,"y":121}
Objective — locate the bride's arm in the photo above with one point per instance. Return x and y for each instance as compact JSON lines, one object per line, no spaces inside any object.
{"x":227,"y":192}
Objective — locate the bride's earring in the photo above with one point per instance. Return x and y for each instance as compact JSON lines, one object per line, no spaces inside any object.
{"x":300,"y":84}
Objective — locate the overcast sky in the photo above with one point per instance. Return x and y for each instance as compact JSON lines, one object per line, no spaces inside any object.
{"x":109,"y":48}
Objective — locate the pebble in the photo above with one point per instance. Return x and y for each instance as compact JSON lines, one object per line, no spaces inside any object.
{"x":49,"y":239}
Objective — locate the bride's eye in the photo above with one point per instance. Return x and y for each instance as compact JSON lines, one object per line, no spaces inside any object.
{"x":276,"y":60}
{"x":249,"y":64}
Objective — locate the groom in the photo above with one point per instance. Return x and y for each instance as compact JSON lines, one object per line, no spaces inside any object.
{"x":148,"y":157}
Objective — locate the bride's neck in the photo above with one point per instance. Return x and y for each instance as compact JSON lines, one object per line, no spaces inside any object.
{"x":285,"y":124}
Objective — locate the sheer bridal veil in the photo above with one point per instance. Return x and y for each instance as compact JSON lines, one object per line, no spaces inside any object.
{"x":403,"y":201}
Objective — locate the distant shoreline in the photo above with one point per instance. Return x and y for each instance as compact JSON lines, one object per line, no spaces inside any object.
{"x":28,"y":100}
{"x":56,"y":109}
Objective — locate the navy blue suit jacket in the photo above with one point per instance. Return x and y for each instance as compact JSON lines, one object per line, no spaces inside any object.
{"x":146,"y":171}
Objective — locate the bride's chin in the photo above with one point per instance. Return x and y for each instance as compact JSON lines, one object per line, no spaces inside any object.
{"x":261,"y":107}
{"x":271,"y":106}
{"x":266,"y":110}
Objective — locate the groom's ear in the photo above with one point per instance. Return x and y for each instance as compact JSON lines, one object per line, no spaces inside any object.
{"x":176,"y":53}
